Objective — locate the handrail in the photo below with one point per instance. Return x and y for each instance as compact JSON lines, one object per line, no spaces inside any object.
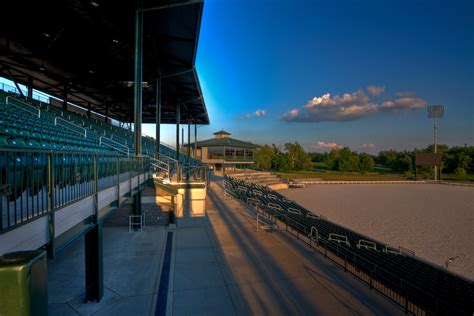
{"x":294,"y":211}
{"x":311,"y":215}
{"x":126,"y":151}
{"x":367,"y":244}
{"x":29,"y":108}
{"x":338,"y":238}
{"x":69,"y":127}
{"x":266,"y":226}
{"x":313,"y":228}
{"x":168,"y":157}
{"x":274,"y":206}
{"x":167,"y":168}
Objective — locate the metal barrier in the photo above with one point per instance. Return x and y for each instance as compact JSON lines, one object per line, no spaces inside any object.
{"x":339,"y":238}
{"x":114,"y":145}
{"x":136,"y":220}
{"x":36,"y":183}
{"x":411,"y":297}
{"x":24,"y":106}
{"x":71,"y":126}
{"x":314,"y":235}
{"x":292,"y":210}
{"x":265,"y":226}
{"x":367,"y":244}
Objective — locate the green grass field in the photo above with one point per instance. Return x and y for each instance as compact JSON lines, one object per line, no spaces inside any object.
{"x":341,"y":176}
{"x":456,"y":178}
{"x":380,"y":173}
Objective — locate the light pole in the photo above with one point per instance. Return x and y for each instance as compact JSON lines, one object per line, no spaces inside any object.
{"x":435,"y":112}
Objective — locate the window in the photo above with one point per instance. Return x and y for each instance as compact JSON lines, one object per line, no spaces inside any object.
{"x":229,"y":153}
{"x":215,"y":153}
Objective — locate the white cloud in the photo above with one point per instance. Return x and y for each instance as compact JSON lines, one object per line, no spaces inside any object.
{"x":368,"y":146}
{"x":323,"y":145}
{"x":290,"y":115}
{"x":404,"y":94}
{"x":258,"y":113}
{"x":349,"y":106}
{"x":375,"y":90}
{"x":405,"y":103}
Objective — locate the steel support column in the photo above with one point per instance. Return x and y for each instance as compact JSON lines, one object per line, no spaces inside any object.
{"x":88,"y":109}
{"x":189,"y":138}
{"x":178,"y":112}
{"x":30,"y":87}
{"x":65,"y":96}
{"x":158,"y":117}
{"x":195,"y":140}
{"x":138,"y":95}
{"x":182,"y":138}
{"x":106,"y":113}
{"x":94,"y":264}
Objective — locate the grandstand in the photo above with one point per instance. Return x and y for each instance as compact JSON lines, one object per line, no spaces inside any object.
{"x":65,"y":165}
{"x":418,"y":286}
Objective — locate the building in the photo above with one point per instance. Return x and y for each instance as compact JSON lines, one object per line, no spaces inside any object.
{"x":223,"y":152}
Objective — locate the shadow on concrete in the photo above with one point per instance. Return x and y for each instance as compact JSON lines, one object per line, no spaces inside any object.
{"x":274,"y":273}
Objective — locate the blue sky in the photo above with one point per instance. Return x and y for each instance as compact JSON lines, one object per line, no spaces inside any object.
{"x":276,"y":56}
{"x":336,"y":73}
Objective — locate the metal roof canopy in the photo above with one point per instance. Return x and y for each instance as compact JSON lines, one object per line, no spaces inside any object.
{"x":88,"y":46}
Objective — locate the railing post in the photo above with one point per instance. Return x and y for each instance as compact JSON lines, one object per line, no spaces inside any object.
{"x":118,"y":181}
{"x":96,"y":189}
{"x":51,"y":228}
{"x":130,"y":175}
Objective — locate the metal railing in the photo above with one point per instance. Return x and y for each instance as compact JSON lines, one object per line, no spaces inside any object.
{"x":71,"y":126}
{"x":375,"y":267}
{"x":114,"y":145}
{"x":35,"y":183}
{"x":23,"y":106}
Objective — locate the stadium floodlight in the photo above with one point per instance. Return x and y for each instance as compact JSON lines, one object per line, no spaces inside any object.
{"x":435,"y":112}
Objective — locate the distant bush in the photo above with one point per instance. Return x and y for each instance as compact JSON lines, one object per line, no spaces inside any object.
{"x":460,"y":171}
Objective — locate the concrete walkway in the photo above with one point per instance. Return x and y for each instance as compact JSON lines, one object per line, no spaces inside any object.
{"x":131,"y":272}
{"x":226,"y":267}
{"x":221,"y":267}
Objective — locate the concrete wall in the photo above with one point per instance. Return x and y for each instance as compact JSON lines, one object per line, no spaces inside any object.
{"x":190,"y":202}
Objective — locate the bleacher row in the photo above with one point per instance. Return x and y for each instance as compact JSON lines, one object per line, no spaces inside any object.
{"x":20,"y":127}
{"x":435,"y":290}
{"x":32,"y":144}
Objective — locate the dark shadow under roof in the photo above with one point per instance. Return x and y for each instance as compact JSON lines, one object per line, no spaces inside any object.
{"x":89,"y":46}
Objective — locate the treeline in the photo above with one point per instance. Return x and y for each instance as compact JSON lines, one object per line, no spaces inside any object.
{"x":292,"y":158}
{"x":457,"y":160}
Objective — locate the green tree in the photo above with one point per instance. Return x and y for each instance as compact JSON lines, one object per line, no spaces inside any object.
{"x":366,"y":163}
{"x":263,"y":157}
{"x":298,"y":158}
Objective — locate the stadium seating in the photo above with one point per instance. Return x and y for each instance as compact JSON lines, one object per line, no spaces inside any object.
{"x":426,"y":285}
{"x":23,"y":129}
{"x":30,"y":130}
